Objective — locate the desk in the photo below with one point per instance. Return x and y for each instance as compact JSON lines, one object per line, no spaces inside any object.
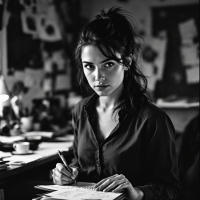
{"x":47,"y":152}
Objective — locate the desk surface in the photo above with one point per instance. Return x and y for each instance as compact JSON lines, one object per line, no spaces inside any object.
{"x":182,"y":104}
{"x":46,"y":152}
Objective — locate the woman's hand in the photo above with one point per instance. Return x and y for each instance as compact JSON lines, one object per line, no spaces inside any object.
{"x":119,"y":183}
{"x":61,"y":176}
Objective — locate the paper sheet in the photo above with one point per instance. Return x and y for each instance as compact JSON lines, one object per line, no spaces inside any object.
{"x":192,"y":75}
{"x":82,"y":193}
{"x":187,"y":30}
{"x":62,"y":82}
{"x":60,"y":187}
{"x":190,"y":55}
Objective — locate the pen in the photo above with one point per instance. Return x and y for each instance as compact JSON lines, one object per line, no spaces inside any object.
{"x":65,"y":163}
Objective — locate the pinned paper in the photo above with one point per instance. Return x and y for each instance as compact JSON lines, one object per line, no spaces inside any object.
{"x":187,"y":30}
{"x":47,"y":25}
{"x":29,"y":23}
{"x":33,"y":77}
{"x":62,"y":82}
{"x":48,"y":65}
{"x":30,"y":5}
{"x":192,"y":75}
{"x":48,"y":85}
{"x":19,"y":75}
{"x":190,"y":55}
{"x":28,"y":81}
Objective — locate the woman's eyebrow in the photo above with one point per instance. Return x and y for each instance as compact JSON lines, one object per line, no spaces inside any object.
{"x":103,"y":61}
{"x":87,"y":62}
{"x":107,"y":59}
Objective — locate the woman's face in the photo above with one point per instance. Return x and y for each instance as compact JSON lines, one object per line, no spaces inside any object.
{"x":104,"y":76}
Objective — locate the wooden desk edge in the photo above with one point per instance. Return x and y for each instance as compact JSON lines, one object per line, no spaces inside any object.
{"x":11,"y":172}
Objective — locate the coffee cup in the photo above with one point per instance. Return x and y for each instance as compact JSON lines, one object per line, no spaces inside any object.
{"x":21,"y":147}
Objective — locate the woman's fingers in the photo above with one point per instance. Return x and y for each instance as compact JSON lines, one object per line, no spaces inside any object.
{"x":61,"y":176}
{"x":121,"y":187}
{"x":61,"y":168}
{"x":60,"y":181}
{"x":103,"y":180}
{"x":110,"y":183}
{"x":113,"y":185}
{"x":74,"y":172}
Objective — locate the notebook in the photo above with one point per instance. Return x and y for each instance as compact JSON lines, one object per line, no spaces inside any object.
{"x":81,"y":191}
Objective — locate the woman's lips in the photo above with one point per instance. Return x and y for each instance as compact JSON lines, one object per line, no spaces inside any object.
{"x":101,"y":87}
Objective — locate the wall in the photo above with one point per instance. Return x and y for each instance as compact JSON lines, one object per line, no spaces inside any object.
{"x":33,"y":49}
{"x":140,"y":10}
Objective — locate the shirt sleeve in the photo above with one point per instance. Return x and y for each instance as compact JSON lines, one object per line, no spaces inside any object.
{"x":74,"y":162}
{"x":160,"y":159}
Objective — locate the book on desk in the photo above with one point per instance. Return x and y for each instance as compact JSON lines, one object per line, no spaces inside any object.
{"x":80,"y":191}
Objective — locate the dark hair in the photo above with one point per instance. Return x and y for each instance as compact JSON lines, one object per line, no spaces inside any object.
{"x":112,"y":32}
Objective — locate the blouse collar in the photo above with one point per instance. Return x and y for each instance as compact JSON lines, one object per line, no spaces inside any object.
{"x":89,"y":107}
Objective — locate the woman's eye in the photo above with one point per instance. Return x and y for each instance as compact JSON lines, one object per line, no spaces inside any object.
{"x":109,"y":64}
{"x":89,"y":66}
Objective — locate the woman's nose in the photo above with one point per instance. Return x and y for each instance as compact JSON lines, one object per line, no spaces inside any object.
{"x":98,"y":74}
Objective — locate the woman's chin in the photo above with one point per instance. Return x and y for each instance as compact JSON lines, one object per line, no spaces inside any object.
{"x":101,"y":93}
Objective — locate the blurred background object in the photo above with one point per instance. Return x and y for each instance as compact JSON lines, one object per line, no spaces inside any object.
{"x":4,"y":94}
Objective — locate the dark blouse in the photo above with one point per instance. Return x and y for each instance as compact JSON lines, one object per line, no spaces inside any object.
{"x":141,"y":147}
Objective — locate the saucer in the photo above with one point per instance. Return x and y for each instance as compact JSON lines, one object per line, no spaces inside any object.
{"x":27,"y":153}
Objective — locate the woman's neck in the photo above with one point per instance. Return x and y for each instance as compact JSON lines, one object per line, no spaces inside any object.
{"x":111,"y":101}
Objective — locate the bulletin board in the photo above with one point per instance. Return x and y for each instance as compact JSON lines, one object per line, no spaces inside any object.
{"x":181,"y":68}
{"x":39,"y":37}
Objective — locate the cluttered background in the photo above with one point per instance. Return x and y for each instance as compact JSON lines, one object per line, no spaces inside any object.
{"x":38,"y":73}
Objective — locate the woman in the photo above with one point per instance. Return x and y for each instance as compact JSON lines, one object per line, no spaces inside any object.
{"x":122,"y":142}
